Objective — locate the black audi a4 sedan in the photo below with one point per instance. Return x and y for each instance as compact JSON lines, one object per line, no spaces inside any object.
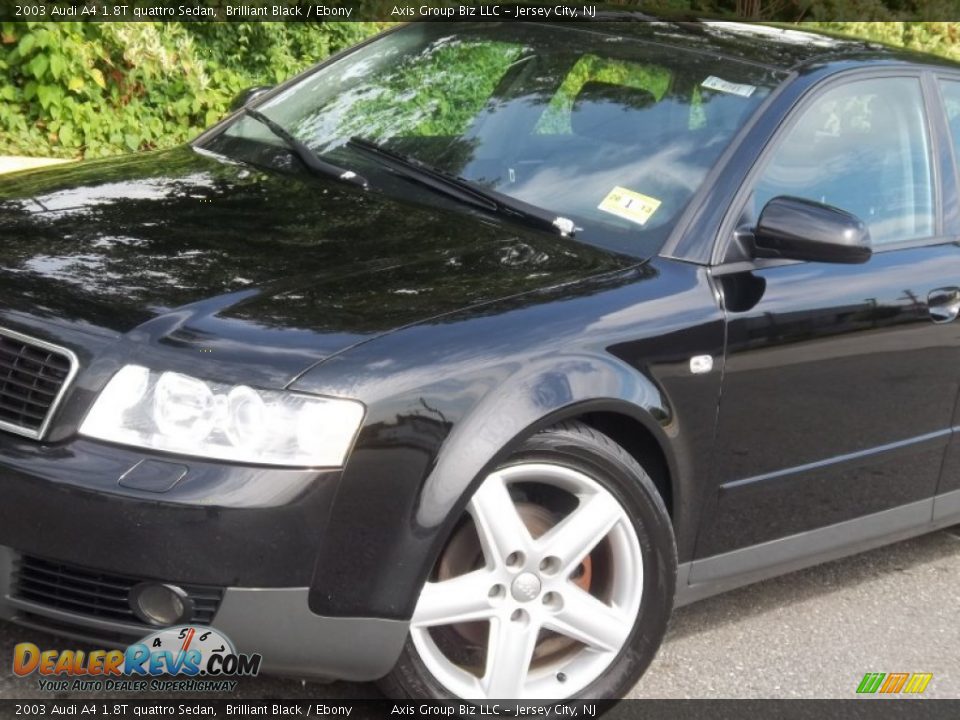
{"x":461,"y":359}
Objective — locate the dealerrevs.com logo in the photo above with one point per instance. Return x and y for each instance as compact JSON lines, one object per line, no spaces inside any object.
{"x":198,"y":658}
{"x":894,"y":683}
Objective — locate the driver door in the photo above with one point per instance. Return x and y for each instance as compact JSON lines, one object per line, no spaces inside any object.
{"x":840,"y":380}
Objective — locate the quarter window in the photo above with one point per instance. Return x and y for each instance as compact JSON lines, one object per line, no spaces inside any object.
{"x":951,"y":99}
{"x":861,"y":147}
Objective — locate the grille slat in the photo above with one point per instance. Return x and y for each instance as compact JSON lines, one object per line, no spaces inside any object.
{"x":32,"y":387}
{"x":42,"y":365}
{"x":20,"y":408}
{"x":82,"y":606}
{"x":119,"y":588}
{"x":69,"y":588}
{"x":89,"y":592}
{"x":28,"y":380}
{"x":32,"y":377}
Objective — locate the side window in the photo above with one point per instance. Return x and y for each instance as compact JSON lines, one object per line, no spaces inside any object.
{"x":861,"y":147}
{"x":951,"y":99}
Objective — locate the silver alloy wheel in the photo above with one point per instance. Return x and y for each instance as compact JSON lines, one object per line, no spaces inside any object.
{"x":527,"y":585}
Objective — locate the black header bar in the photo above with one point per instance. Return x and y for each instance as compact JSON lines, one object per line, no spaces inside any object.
{"x":446,"y":10}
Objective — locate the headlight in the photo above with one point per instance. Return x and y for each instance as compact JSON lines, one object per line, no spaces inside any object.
{"x":180,"y":414}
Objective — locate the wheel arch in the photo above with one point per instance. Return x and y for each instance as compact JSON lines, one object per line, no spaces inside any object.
{"x":602,"y":392}
{"x":403,"y":540}
{"x":641,"y":443}
{"x":639,"y":418}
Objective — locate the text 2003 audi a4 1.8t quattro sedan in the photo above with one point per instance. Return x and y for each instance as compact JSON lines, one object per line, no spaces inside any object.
{"x":460,"y":360}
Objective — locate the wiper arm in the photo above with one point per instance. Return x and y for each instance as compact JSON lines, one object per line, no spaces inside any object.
{"x":465,"y":190}
{"x":303,"y":152}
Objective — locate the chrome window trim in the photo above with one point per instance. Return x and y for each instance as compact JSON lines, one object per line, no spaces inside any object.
{"x":54,"y":406}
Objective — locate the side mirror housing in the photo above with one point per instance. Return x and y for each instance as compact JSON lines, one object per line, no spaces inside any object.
{"x":797,"y":229}
{"x":245,"y":97}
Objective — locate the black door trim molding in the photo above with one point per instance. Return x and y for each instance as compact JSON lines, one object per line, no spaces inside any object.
{"x":717,"y":574}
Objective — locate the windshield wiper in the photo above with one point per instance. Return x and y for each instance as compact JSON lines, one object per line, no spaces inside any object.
{"x":303,"y":152}
{"x":465,"y":190}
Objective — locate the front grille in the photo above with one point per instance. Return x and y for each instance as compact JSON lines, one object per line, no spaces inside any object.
{"x":78,"y":631}
{"x":94,"y":593}
{"x":33,"y":376}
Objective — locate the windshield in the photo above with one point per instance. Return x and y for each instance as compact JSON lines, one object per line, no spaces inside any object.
{"x":613,"y":133}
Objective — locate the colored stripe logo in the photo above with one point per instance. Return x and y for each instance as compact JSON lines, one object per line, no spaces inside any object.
{"x":894,"y":683}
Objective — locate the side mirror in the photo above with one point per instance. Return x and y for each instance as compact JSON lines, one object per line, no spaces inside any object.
{"x":245,"y":97}
{"x":796,"y":229}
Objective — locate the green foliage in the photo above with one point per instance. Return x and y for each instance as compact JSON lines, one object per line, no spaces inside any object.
{"x":940,"y":38}
{"x":438,"y":93}
{"x":434,"y":94}
{"x":96,"y":89}
{"x":556,"y":118}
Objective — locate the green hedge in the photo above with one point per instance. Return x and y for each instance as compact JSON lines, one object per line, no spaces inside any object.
{"x":89,"y":90}
{"x":939,"y":38}
{"x":94,"y":89}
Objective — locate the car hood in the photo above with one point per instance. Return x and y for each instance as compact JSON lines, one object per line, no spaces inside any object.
{"x":186,"y":249}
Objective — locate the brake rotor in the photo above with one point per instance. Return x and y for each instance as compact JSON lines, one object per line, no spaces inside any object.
{"x":464,"y":553}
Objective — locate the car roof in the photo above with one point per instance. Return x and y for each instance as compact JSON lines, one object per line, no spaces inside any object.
{"x":777,"y":47}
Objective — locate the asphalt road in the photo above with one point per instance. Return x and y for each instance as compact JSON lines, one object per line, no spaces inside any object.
{"x":811,"y":634}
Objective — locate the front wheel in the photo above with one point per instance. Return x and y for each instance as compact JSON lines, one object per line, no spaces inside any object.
{"x":557,"y":583}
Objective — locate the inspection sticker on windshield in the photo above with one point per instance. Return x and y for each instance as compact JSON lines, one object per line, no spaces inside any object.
{"x":725,"y":86}
{"x":629,"y":205}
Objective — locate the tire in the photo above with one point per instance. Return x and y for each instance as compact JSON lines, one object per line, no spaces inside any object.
{"x":511,"y":585}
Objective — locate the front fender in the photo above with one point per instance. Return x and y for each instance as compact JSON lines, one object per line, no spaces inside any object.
{"x":447,"y":401}
{"x":543,"y":393}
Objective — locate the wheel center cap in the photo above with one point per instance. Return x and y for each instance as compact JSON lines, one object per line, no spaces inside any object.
{"x":525,"y":587}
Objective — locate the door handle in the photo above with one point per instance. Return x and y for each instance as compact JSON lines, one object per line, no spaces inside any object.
{"x":944,"y":304}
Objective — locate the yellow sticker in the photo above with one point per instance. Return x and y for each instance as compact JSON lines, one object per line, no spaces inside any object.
{"x":629,"y":205}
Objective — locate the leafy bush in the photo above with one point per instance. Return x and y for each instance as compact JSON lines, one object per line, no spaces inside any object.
{"x":940,"y":38}
{"x":95,"y":89}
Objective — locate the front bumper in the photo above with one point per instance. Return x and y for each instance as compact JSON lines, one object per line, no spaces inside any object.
{"x":220,"y":524}
{"x":249,"y":535}
{"x":274,"y":622}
